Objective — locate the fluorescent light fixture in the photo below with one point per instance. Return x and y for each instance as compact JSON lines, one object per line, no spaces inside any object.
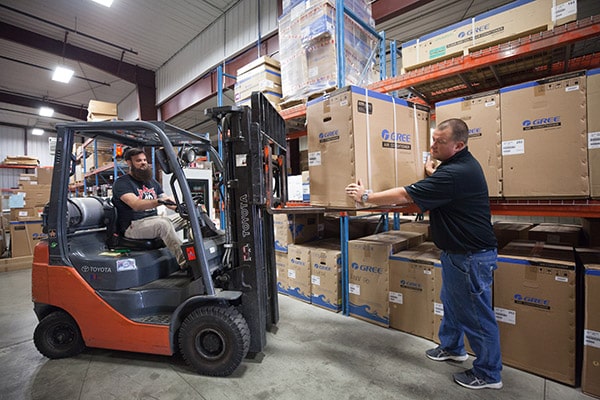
{"x":46,"y":111}
{"x":106,"y":3}
{"x":62,"y":74}
{"x":37,"y":131}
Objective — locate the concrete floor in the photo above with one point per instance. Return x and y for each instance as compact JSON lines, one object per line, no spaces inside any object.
{"x":314,"y":354}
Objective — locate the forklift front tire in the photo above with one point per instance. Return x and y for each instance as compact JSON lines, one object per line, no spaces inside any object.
{"x":214,"y":340}
{"x":58,"y":336}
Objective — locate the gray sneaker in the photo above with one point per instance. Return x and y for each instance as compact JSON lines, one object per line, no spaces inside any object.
{"x":469,"y":380}
{"x":439,"y":354}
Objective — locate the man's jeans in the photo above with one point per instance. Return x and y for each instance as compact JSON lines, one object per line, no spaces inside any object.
{"x":467,"y":299}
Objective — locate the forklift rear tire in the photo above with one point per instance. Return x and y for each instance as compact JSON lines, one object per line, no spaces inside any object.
{"x":58,"y":336}
{"x":214,"y":340}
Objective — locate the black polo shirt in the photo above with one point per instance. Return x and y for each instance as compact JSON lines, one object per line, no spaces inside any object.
{"x":457,"y":199}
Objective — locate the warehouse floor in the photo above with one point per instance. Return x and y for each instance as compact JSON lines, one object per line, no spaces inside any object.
{"x":314,"y":354}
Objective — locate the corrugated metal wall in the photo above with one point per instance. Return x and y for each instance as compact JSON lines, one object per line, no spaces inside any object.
{"x":227,"y":36}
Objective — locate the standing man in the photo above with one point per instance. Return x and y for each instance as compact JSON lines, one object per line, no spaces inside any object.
{"x":456,"y":196}
{"x":136,"y":196}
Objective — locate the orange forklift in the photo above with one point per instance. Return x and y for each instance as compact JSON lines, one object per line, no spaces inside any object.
{"x":92,"y":287}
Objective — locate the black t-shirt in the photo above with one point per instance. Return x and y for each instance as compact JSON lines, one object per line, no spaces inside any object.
{"x":144,"y":190}
{"x":457,"y":199}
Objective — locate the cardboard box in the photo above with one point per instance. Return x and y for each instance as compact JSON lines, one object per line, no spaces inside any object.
{"x":544,"y":138}
{"x":412,"y":290}
{"x":565,"y":234}
{"x":368,"y":263}
{"x":101,"y":111}
{"x":44,"y":175}
{"x":590,"y":372}
{"x":593,"y":130}
{"x":354,"y":134}
{"x":24,"y":235}
{"x":591,"y":231}
{"x":281,"y":266}
{"x":21,"y":160}
{"x":26,"y":214}
{"x":325,"y":275}
{"x":422,"y":227}
{"x":298,"y":272}
{"x":296,"y":229}
{"x":261,"y":75}
{"x":517,"y":19}
{"x":535,"y":294}
{"x":481,"y":112}
{"x":506,"y":232}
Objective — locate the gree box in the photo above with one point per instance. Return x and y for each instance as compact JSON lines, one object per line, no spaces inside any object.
{"x":504,"y":23}
{"x":544,"y":138}
{"x":535,"y":294}
{"x":353,"y":134}
{"x":482,"y":114}
{"x":412,"y":290}
{"x":590,"y":373}
{"x":282,"y":272}
{"x":368,"y":266}
{"x":593,"y":130}
{"x":325,"y":275}
{"x":298,"y":272}
{"x":295,"y":229}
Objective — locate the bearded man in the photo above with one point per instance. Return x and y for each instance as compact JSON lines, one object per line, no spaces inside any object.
{"x":136,"y":196}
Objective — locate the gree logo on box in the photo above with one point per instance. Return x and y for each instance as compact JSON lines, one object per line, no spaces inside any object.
{"x":395,"y":140}
{"x":538,"y":123}
{"x":469,"y":32}
{"x":329,"y":136}
{"x":367,"y":268}
{"x":531,"y":301}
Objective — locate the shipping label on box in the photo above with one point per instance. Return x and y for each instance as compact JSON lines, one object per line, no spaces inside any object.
{"x":354,"y":134}
{"x":534,"y":298}
{"x":482,"y":115}
{"x":544,"y":143}
{"x":326,"y":277}
{"x":298,"y":268}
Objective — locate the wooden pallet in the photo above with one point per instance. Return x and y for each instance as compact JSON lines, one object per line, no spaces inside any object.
{"x":16,"y":263}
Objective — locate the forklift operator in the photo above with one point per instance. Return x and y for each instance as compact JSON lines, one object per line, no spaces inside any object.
{"x":136,"y":196}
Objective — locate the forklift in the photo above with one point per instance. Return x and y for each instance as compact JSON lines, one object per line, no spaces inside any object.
{"x":92,"y":287}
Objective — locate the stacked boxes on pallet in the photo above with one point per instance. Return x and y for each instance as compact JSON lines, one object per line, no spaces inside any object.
{"x":307,"y":48}
{"x":261,"y":75}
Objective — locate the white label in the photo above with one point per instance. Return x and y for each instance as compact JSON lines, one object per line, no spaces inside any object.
{"x":593,"y":140}
{"x":344,"y":103}
{"x":315,"y":280}
{"x":354,"y":289}
{"x":396,"y":297}
{"x":490,"y":103}
{"x":564,"y":10}
{"x":438,"y":309}
{"x":427,"y":272}
{"x":572,"y":88}
{"x":127,"y":264}
{"x":314,"y":159}
{"x":513,"y":147}
{"x":505,"y":315}
{"x":292,"y":273}
{"x":561,"y":279}
{"x":23,"y":213}
{"x":591,"y":338}
{"x":241,"y":160}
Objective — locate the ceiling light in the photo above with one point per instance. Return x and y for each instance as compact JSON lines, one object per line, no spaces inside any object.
{"x":62,"y":74}
{"x":106,"y":3}
{"x":46,"y":111}
{"x":37,"y":131}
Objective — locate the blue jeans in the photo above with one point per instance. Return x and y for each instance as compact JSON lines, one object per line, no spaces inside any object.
{"x":467,"y":299}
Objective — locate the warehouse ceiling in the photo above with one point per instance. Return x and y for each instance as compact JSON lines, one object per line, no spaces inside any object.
{"x":136,"y":37}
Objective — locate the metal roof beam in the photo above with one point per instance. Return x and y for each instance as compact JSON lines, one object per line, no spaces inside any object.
{"x":33,"y":102}
{"x":143,"y":78}
{"x":383,"y":10}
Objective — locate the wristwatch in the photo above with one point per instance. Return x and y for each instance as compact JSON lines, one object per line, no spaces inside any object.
{"x":365,"y":196}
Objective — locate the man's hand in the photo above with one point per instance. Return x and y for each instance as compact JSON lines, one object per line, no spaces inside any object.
{"x":355,"y":191}
{"x":430,"y":166}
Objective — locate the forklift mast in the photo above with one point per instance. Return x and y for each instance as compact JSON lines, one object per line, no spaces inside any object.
{"x":255,"y":182}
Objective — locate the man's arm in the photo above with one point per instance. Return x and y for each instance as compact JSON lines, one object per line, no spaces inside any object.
{"x":394,"y":196}
{"x":138,"y":204}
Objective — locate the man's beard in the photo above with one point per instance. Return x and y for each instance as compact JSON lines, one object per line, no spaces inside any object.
{"x":141,"y":174}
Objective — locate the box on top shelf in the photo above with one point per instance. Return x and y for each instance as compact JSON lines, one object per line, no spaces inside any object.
{"x":517,"y":19}
{"x":593,"y":130}
{"x":307,"y":48}
{"x":544,"y":138}
{"x":535,"y":301}
{"x":368,"y":266}
{"x":481,"y":112}
{"x":261,"y":75}
{"x":355,"y":133}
